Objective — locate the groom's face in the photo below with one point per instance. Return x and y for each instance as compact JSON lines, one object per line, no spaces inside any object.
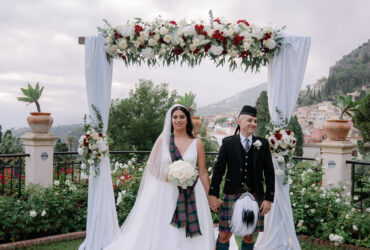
{"x":248,"y":124}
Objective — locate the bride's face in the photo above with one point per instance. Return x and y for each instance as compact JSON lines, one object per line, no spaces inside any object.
{"x":179,"y":120}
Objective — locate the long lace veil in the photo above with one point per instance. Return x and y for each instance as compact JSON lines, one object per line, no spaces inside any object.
{"x":154,"y":175}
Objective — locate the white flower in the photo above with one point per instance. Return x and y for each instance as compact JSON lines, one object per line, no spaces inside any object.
{"x":129,"y":163}
{"x":337,"y":200}
{"x":279,"y":172}
{"x":257,"y":144}
{"x":72,"y":188}
{"x":80,"y":151}
{"x":312,"y":210}
{"x":216,"y":50}
{"x":147,"y":53}
{"x":119,"y":199}
{"x":189,"y":30}
{"x":43,"y":213}
{"x":92,"y":173}
{"x":209,"y":169}
{"x":192,"y":47}
{"x":90,"y":161}
{"x":270,"y":43}
{"x":111,"y":50}
{"x":355,"y":227}
{"x":123,"y":192}
{"x":368,"y":209}
{"x":306,"y":206}
{"x":140,"y":169}
{"x":83,"y":166}
{"x":68,"y":182}
{"x":167,"y":38}
{"x":33,"y":213}
{"x":163,"y":31}
{"x":56,"y":183}
{"x":84,"y":176}
{"x":355,"y":197}
{"x":290,"y":181}
{"x":280,"y":159}
{"x":127,"y":30}
{"x":291,"y":193}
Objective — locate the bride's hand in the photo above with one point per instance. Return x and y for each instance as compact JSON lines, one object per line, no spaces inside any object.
{"x":214,"y":202}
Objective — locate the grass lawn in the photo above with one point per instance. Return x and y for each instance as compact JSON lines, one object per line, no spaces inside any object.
{"x":74,"y":244}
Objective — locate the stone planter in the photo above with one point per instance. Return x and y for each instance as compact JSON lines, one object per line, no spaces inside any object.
{"x":40,"y":123}
{"x":337,"y":130}
{"x":197,"y":124}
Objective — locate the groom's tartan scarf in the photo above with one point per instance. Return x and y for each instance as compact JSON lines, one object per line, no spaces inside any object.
{"x":185,"y":214}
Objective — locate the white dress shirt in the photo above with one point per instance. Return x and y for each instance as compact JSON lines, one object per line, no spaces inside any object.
{"x":244,"y":139}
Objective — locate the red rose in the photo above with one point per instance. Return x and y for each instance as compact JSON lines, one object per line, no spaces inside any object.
{"x":244,"y":54}
{"x":278,"y":136}
{"x":294,"y":141}
{"x":217,"y":20}
{"x":207,"y":47}
{"x":173,"y":22}
{"x":237,"y":39}
{"x":272,"y":142}
{"x":122,"y":56}
{"x":196,"y":51}
{"x":138,"y":29}
{"x":85,"y":143}
{"x":100,"y":135}
{"x":178,"y":51}
{"x":243,"y":21}
{"x":287,"y":132}
{"x":267,"y":36}
{"x":199,"y":29}
{"x":117,"y":35}
{"x":151,"y":33}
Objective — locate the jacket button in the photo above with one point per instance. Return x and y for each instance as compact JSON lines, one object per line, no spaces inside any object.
{"x":246,"y":157}
{"x":246,"y":164}
{"x":241,"y":169}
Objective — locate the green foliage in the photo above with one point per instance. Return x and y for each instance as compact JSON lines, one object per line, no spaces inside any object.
{"x":221,"y":120}
{"x":210,"y":142}
{"x":361,"y":118}
{"x":9,"y":144}
{"x":295,"y":127}
{"x":345,"y":104}
{"x":319,"y":212}
{"x":61,"y":147}
{"x":135,"y":122}
{"x":65,"y":209}
{"x":32,"y":95}
{"x":263,"y":115}
{"x":188,"y":100}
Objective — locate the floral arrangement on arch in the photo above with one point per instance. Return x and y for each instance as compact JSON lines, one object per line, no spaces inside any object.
{"x":92,"y":147}
{"x":169,"y":41}
{"x":282,"y":146}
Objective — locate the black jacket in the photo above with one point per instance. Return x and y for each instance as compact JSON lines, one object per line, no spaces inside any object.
{"x":230,"y":159}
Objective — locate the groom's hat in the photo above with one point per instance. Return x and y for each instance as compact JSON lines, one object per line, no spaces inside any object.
{"x":248,"y":110}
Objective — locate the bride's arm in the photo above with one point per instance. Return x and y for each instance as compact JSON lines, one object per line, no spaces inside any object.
{"x":202,"y":169}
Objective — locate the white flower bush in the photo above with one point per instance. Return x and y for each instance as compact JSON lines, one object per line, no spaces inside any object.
{"x":33,"y":213}
{"x":182,"y":174}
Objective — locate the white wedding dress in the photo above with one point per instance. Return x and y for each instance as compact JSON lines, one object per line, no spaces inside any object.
{"x":148,"y":224}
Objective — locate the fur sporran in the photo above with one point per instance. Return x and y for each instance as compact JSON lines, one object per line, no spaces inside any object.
{"x":245,"y":215}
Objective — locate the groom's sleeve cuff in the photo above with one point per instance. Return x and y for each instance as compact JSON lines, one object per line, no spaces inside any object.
{"x":213,"y":191}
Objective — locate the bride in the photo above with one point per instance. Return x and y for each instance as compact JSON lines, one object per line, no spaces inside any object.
{"x":150,"y":224}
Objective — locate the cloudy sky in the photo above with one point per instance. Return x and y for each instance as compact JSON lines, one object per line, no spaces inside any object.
{"x":39,"y":43}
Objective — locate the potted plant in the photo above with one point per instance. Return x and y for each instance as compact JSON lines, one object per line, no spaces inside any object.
{"x":337,"y":130}
{"x":188,"y":100}
{"x":39,"y":122}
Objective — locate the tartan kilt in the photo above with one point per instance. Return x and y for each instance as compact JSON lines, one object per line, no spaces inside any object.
{"x":227,"y":210}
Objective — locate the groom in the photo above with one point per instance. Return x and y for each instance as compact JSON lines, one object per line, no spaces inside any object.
{"x":246,"y":159}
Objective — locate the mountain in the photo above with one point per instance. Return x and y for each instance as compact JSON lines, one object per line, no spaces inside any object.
{"x":62,"y":131}
{"x":235,"y":102}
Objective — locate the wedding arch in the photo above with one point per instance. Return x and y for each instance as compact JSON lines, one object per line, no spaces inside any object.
{"x":240,"y":45}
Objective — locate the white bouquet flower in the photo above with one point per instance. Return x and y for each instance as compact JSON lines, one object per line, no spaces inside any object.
{"x":182,"y":174}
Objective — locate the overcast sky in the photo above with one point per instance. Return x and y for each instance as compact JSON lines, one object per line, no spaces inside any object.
{"x":39,"y":43}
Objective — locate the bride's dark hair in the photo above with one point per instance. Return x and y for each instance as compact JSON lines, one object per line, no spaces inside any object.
{"x":189,"y":124}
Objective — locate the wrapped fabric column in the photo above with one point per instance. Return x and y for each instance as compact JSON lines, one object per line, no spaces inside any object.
{"x":102,"y":222}
{"x":285,"y":76}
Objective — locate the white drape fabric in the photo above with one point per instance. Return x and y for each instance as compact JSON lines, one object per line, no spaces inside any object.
{"x":102,"y":222}
{"x":285,"y":76}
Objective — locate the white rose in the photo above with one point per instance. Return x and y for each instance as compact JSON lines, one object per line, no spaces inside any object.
{"x":83,"y":166}
{"x":33,"y":213}
{"x":152,"y":42}
{"x":127,"y":30}
{"x":163,"y":31}
{"x":189,"y":30}
{"x":306,"y":206}
{"x":92,"y":173}
{"x":80,"y":151}
{"x":147,"y":53}
{"x":355,"y":227}
{"x":312,"y":210}
{"x":216,"y":50}
{"x":56,"y":183}
{"x":270,"y":43}
{"x":111,"y":50}
{"x":119,"y":199}
{"x":233,"y":53}
{"x":68,"y":182}
{"x":167,"y":38}
{"x":43,"y":213}
{"x":123,"y":192}
{"x":137,"y":44}
{"x":192,"y":47}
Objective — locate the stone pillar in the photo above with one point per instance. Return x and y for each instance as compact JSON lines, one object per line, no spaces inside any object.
{"x":334,"y":155}
{"x":39,"y":165}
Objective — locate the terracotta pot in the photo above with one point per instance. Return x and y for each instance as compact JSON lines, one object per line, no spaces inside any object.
{"x":337,"y":130}
{"x":197,"y":124}
{"x":40,"y":122}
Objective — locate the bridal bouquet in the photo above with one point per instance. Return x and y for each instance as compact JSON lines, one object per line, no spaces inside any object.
{"x":182,"y":174}
{"x":92,"y":147}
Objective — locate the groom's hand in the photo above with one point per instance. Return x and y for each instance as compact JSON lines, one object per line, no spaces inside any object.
{"x":214,"y":202}
{"x":265,"y":207}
